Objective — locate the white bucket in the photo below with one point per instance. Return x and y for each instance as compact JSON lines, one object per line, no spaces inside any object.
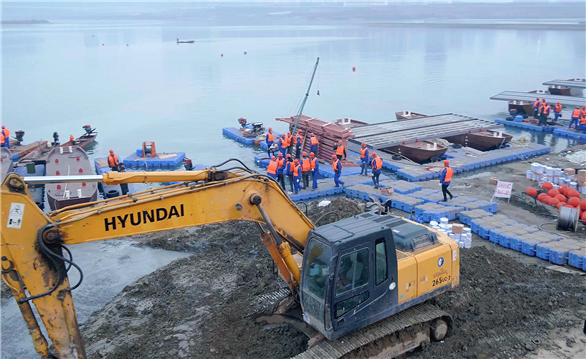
{"x":67,"y":195}
{"x":79,"y":195}
{"x":468,"y":243}
{"x":444,"y":220}
{"x":433,"y":223}
{"x":557,"y":172}
{"x":574,"y":185}
{"x":461,"y":244}
{"x":467,"y":230}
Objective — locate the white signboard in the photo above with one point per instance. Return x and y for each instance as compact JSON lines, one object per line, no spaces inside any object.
{"x":15,"y":215}
{"x":503,"y":189}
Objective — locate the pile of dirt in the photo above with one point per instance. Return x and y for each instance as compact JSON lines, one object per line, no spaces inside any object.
{"x":506,"y":309}
{"x":5,"y":292}
{"x":198,"y":306}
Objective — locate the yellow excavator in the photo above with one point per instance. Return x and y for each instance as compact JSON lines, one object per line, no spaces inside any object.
{"x":360,"y":281}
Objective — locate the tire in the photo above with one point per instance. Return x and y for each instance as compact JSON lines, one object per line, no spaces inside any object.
{"x":397,"y":157}
{"x":457,"y":145}
{"x":112,"y":193}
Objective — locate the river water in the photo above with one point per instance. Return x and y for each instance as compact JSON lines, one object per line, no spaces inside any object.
{"x":134,"y":83}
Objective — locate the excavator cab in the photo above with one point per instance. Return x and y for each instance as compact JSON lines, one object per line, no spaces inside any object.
{"x":351,"y":271}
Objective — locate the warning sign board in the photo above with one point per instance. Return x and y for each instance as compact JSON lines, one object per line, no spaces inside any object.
{"x":503,"y":190}
{"x":15,"y":215}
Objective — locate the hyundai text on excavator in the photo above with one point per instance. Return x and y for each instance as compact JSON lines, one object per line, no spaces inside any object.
{"x":360,"y":281}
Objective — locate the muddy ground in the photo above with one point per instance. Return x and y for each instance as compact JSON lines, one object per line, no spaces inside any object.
{"x":196,"y":307}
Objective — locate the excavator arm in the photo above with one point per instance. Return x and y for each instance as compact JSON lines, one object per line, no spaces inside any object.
{"x":34,"y":264}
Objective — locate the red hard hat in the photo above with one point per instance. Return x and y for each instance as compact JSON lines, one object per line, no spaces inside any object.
{"x":283,"y":135}
{"x":543,"y":99}
{"x":288,"y":155}
{"x":334,"y":156}
{"x":296,"y":161}
{"x":578,"y":107}
{"x":3,"y":127}
{"x":280,"y":154}
{"x":363,"y":144}
{"x":273,"y":158}
{"x":270,"y":128}
{"x":111,"y":151}
{"x":446,"y":162}
{"x":339,"y":141}
{"x":374,"y":154}
{"x":538,"y":99}
{"x":288,"y":133}
{"x":311,"y":134}
{"x":311,"y":154}
{"x":304,"y":153}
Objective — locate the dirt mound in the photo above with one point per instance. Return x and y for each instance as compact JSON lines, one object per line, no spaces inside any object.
{"x":197,"y":307}
{"x":505,"y":309}
{"x":5,"y":292}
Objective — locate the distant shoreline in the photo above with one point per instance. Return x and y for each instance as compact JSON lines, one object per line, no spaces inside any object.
{"x":25,"y":22}
{"x":520,"y":26}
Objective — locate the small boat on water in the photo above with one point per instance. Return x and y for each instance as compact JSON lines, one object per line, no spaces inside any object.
{"x":522,"y":107}
{"x":5,"y":163}
{"x":481,"y":140}
{"x":407,"y":115}
{"x":185,"y":41}
{"x":69,"y":161}
{"x":560,"y":90}
{"x":84,"y":140}
{"x":418,"y":151}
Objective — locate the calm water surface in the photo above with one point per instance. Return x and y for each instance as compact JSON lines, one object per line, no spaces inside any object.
{"x":142,"y":86}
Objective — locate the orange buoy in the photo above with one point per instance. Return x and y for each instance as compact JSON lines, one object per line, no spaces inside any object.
{"x":583,"y":204}
{"x":541,"y":197}
{"x":574,"y":201}
{"x":531,"y":191}
{"x":547,"y":185}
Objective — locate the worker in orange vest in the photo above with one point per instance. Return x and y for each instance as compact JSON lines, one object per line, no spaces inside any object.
{"x":575,"y":117}
{"x":536,"y":108}
{"x":289,"y":143}
{"x":582,"y":126}
{"x":337,"y":167}
{"x":283,"y":144}
{"x":280,"y":169}
{"x":269,"y":140}
{"x":296,"y":175}
{"x":289,"y":167}
{"x":2,"y":140}
{"x":340,"y":150}
{"x":544,"y":112}
{"x":314,"y":170}
{"x":305,"y":170}
{"x":445,"y":178}
{"x":364,"y":158}
{"x":377,"y":166}
{"x":314,"y":144}
{"x":6,"y":133}
{"x":557,"y":111}
{"x":297,"y":143}
{"x":113,"y":161}
{"x":272,"y":168}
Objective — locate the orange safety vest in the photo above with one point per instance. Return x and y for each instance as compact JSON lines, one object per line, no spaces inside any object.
{"x":558,"y":107}
{"x":1,"y":138}
{"x":541,"y":105}
{"x":340,"y":150}
{"x":536,"y":104}
{"x":583,"y":120}
{"x":583,"y":112}
{"x":449,"y":173}
{"x":296,"y":170}
{"x":335,"y":165}
{"x":284,"y":143}
{"x":363,"y":152}
{"x":313,"y":162}
{"x":314,"y":141}
{"x":546,"y":109}
{"x":377,"y":163}
{"x":305,"y":165}
{"x":289,"y":139}
{"x":576,"y":113}
{"x":6,"y":132}
{"x":113,"y":160}
{"x":71,"y":138}
{"x":272,"y":168}
{"x":280,"y":162}
{"x":269,"y":137}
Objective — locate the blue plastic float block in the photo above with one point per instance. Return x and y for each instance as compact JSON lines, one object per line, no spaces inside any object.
{"x":323,"y":190}
{"x":558,"y":256}
{"x":566,"y":132}
{"x":525,"y":125}
{"x":135,"y":161}
{"x":577,"y":259}
{"x":327,"y":171}
{"x":543,"y":250}
{"x":401,"y":187}
{"x":15,"y":157}
{"x":424,"y":194}
{"x":495,"y":234}
{"x":515,"y":243}
{"x":365,"y":192}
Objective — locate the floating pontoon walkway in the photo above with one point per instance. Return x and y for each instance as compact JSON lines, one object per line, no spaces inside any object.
{"x":574,"y":83}
{"x":570,"y":101}
{"x":387,"y":134}
{"x":526,"y":125}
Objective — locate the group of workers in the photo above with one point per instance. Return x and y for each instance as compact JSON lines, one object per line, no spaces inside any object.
{"x":541,"y":110}
{"x":4,"y":137}
{"x":296,"y":170}
{"x":289,"y":144}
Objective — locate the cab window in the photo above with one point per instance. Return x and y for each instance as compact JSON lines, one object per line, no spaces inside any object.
{"x":352,"y":271}
{"x":380,"y":261}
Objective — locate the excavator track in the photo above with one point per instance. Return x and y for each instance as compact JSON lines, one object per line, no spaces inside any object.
{"x":419,"y":318}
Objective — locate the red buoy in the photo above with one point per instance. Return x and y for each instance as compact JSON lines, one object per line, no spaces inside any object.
{"x":102,"y":44}
{"x":80,"y":170}
{"x":56,"y":160}
{"x":353,"y":68}
{"x":58,"y":186}
{"x":57,"y":173}
{"x":222,"y":55}
{"x":126,"y":44}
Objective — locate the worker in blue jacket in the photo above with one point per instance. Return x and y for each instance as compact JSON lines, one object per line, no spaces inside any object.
{"x":377,"y":166}
{"x":289,"y":170}
{"x":314,"y":170}
{"x":364,"y":155}
{"x":296,"y":176}
{"x":297,"y":146}
{"x":337,"y":167}
{"x":445,"y":178}
{"x":280,"y":170}
{"x":269,"y":139}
